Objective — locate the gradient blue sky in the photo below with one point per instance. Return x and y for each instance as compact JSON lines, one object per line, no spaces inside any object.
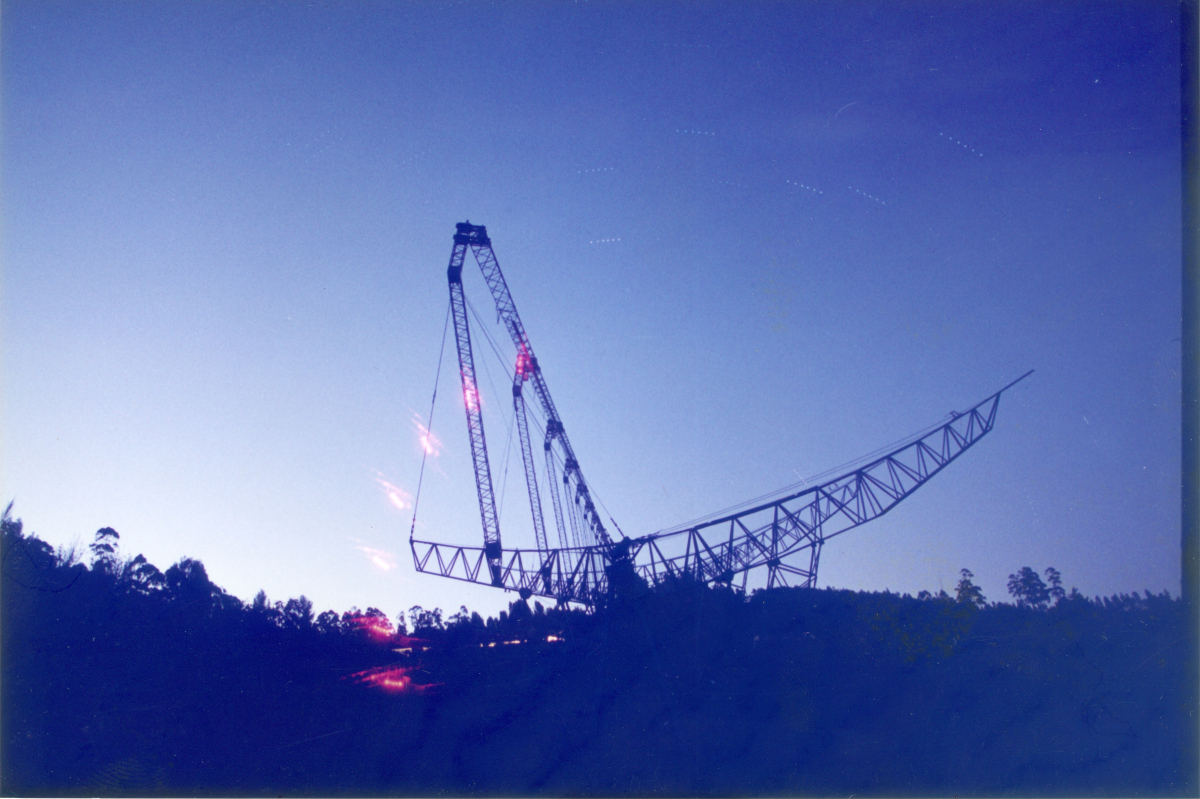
{"x":226,"y":227}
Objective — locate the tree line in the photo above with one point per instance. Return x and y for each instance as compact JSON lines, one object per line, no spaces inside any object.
{"x":121,"y":678}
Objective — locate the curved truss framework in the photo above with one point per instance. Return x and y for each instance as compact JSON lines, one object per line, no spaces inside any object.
{"x":784,"y":536}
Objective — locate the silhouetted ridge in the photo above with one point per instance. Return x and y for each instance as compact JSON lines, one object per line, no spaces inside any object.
{"x":123,"y":679}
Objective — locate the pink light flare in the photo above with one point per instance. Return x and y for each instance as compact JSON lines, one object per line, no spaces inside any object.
{"x":524,"y":364}
{"x":393,"y":679}
{"x":406,"y":644}
{"x":430,"y":444}
{"x":400,"y":498}
{"x":470,"y":395}
{"x":385,"y":561}
{"x":378,"y":627}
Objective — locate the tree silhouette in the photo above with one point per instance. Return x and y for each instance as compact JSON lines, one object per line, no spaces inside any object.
{"x":967,"y":592}
{"x":188,"y":583}
{"x":1055,"y":580}
{"x":670,"y":690}
{"x":329,"y":622}
{"x":298,"y":613}
{"x":104,"y":550}
{"x":1028,"y":589}
{"x":425,"y":620}
{"x":142,"y":576}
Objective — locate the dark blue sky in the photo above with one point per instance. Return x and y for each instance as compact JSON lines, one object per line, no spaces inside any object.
{"x":749,"y":241}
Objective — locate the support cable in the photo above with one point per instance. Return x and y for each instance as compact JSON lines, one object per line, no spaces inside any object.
{"x":491,"y":341}
{"x":581,"y":529}
{"x":429,"y":427}
{"x":507,"y":454}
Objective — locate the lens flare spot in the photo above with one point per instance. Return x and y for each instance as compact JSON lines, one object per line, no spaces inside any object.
{"x":383,"y":560}
{"x":400,"y":498}
{"x":430,"y":444}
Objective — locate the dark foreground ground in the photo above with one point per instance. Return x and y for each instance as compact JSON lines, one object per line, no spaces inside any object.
{"x":121,"y":680}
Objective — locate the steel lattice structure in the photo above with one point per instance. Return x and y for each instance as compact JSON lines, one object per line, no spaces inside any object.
{"x":784,"y":535}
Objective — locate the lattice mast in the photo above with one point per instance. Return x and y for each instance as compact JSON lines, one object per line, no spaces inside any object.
{"x":586,"y":526}
{"x":470,"y":387}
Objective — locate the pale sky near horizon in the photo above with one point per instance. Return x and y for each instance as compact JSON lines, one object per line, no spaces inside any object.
{"x":749,"y":242}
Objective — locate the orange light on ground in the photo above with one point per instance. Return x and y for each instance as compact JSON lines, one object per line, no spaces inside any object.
{"x":393,"y":679}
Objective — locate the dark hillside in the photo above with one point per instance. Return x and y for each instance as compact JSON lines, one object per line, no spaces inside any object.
{"x":120,"y":679}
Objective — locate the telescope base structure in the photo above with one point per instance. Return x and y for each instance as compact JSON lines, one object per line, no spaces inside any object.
{"x":783,"y":536}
